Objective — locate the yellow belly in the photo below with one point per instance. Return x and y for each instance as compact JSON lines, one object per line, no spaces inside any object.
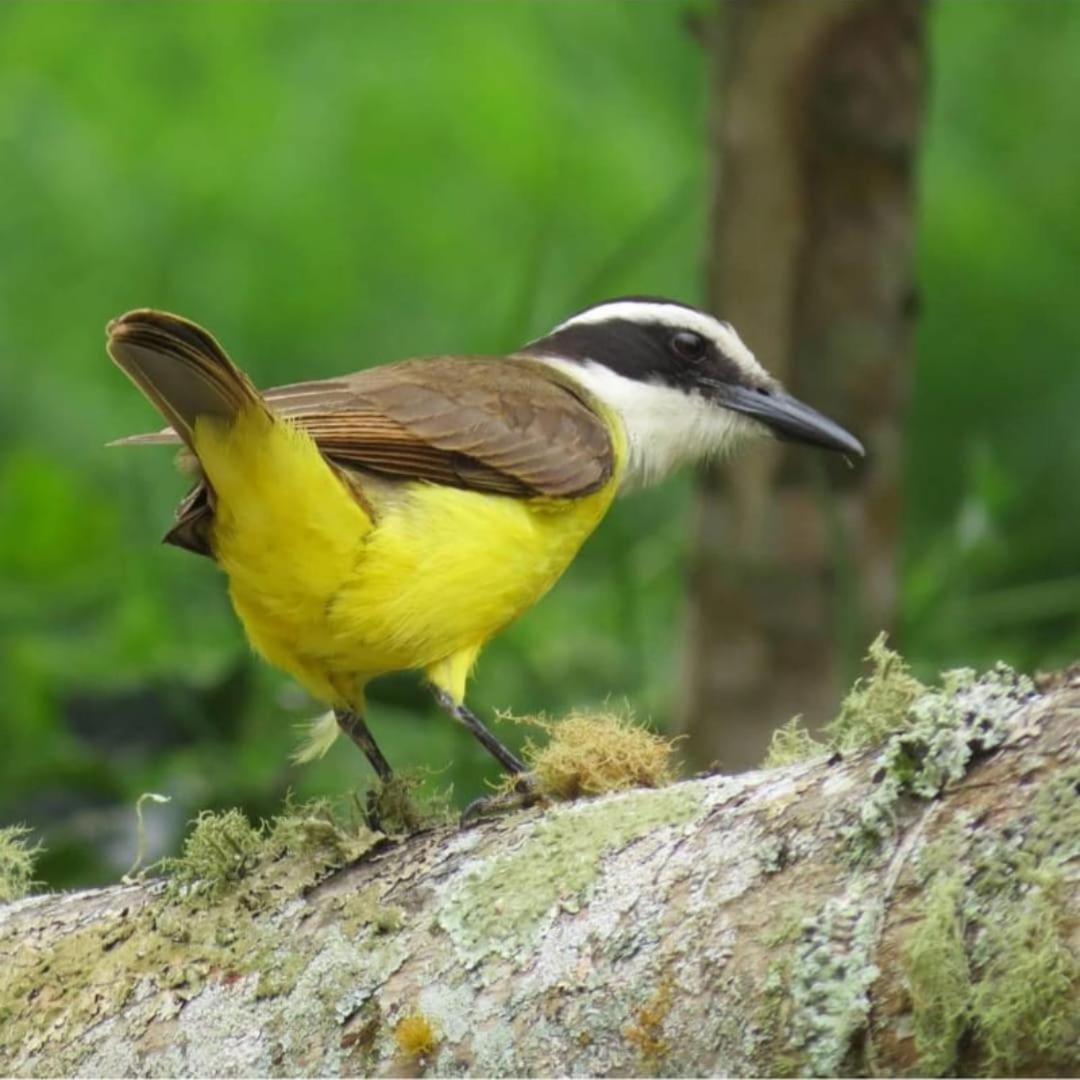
{"x":335,"y":596}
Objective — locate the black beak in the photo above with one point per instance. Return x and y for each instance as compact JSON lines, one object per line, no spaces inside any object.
{"x":788,"y":418}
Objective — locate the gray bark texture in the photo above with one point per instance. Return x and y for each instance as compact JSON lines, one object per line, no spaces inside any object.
{"x":913,"y":906}
{"x":816,"y":117}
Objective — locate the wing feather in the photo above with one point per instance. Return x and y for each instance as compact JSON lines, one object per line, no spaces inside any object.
{"x":505,"y":426}
{"x":489,"y":424}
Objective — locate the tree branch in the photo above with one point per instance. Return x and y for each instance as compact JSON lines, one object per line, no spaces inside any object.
{"x":911,"y":906}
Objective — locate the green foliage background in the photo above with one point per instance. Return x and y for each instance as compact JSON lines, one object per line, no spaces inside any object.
{"x":332,"y":185}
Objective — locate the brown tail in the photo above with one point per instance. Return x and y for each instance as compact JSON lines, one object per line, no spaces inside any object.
{"x":180,"y":368}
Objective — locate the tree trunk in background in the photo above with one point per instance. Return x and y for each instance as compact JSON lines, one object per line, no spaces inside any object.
{"x":816,"y":111}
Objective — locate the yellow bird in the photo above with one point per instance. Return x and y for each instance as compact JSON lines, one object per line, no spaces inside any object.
{"x":400,"y":517}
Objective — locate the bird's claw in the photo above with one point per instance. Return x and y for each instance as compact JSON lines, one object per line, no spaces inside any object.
{"x":520,"y":796}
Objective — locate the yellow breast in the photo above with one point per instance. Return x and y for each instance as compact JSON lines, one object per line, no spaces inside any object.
{"x":336,"y":595}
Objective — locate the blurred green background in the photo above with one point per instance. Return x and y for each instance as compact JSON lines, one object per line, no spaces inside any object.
{"x":329,"y":186}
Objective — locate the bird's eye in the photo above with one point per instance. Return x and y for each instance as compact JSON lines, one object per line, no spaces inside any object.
{"x":688,"y":345}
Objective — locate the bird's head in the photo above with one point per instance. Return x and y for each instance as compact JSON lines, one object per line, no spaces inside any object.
{"x":683,"y":383}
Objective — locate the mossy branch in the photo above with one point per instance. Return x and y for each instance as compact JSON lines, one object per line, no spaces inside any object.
{"x":905,"y":901}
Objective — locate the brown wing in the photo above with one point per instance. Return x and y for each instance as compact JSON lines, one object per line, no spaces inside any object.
{"x":510,"y":427}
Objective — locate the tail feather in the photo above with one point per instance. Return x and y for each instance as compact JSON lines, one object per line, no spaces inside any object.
{"x":165,"y":437}
{"x":180,"y":368}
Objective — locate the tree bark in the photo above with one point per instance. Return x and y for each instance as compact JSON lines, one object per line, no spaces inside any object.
{"x":815,"y":128}
{"x":860,"y":916}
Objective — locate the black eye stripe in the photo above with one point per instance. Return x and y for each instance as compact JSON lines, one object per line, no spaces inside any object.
{"x":642,"y":351}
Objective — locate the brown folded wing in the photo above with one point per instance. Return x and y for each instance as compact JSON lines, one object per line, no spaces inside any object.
{"x":510,"y":427}
{"x":505,"y":426}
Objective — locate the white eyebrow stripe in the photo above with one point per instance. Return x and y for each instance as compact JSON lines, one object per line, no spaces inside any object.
{"x":675,"y":315}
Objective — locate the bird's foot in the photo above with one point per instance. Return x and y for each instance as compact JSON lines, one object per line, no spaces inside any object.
{"x":371,"y":815}
{"x":519,"y":795}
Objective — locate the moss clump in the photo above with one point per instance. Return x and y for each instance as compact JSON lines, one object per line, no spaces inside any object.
{"x":1024,"y":1004}
{"x":17,"y":859}
{"x":220,"y":849}
{"x":225,"y":848}
{"x":877,"y":706}
{"x":990,"y":971}
{"x":415,"y":1037}
{"x":592,"y":753}
{"x":938,"y":976}
{"x":791,"y":742}
{"x":314,"y":831}
{"x":400,"y":810}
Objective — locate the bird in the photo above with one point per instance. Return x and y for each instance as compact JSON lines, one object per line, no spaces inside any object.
{"x":400,"y":517}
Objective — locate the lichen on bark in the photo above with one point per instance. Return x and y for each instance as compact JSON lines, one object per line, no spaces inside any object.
{"x":719,"y":925}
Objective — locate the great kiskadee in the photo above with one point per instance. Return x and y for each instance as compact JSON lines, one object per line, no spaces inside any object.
{"x":399,"y":517}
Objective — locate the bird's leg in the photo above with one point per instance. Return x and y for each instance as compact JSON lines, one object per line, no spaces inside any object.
{"x":352,"y":723}
{"x":506,"y":758}
{"x":524,"y":792}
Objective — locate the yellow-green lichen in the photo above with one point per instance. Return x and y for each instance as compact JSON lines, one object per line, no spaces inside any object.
{"x":17,"y":859}
{"x":593,"y":753}
{"x":500,"y":905}
{"x":364,"y":908}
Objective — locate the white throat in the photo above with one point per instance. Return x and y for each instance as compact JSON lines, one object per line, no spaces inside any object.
{"x":664,"y":427}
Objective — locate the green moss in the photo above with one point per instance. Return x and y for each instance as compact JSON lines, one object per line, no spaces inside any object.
{"x":991,"y":975}
{"x":501,"y":904}
{"x":401,"y":811}
{"x":877,"y":705}
{"x":225,"y":848}
{"x":17,"y":860}
{"x":938,"y":976}
{"x":774,"y":1017}
{"x":313,"y":831}
{"x":216,"y":917}
{"x":791,"y":742}
{"x":787,"y":926}
{"x":220,"y":849}
{"x":1024,"y":1005}
{"x":1055,"y":830}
